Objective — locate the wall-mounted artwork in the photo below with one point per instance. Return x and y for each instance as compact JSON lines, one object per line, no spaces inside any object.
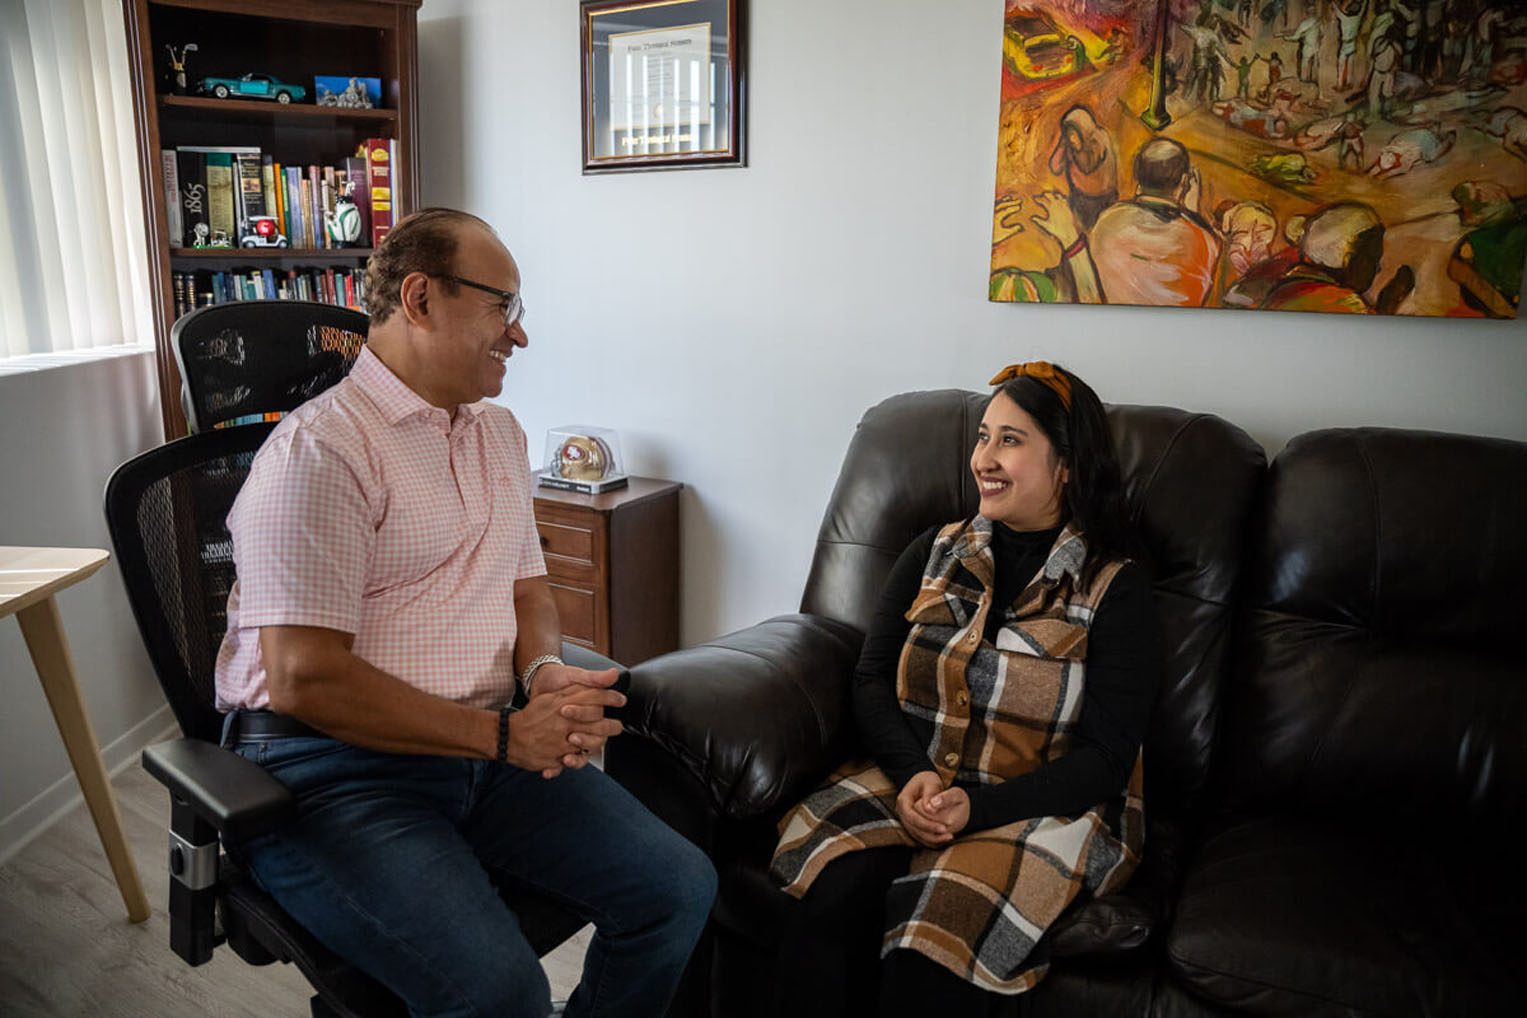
{"x":1364,"y":156}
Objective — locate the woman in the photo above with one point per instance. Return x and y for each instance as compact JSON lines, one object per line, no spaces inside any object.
{"x":1083,"y":154}
{"x":1003,"y":692}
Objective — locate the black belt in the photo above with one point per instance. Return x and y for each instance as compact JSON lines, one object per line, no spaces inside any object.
{"x":262,"y":725}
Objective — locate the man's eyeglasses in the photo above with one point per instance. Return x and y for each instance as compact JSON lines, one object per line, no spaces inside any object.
{"x":514,"y":307}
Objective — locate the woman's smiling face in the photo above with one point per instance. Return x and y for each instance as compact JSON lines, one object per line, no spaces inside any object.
{"x":1016,"y":470}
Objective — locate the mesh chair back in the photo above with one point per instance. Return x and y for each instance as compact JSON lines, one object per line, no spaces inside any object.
{"x":257,"y":360}
{"x":167,"y":513}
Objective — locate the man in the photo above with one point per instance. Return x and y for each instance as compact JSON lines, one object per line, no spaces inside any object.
{"x":1339,"y":256}
{"x":1349,"y":142}
{"x":1487,"y":263}
{"x":1307,"y":36}
{"x":1349,"y":20}
{"x":1204,"y":78}
{"x":1384,"y":65}
{"x":390,"y":590}
{"x":1157,"y":248}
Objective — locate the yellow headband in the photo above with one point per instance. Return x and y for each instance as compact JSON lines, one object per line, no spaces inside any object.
{"x":1042,"y":372}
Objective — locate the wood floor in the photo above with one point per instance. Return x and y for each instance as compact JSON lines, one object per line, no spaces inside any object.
{"x":67,"y":949}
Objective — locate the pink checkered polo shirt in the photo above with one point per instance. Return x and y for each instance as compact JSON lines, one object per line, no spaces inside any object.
{"x":369,"y":511}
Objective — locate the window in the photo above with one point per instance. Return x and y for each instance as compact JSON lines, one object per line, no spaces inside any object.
{"x":73,"y":262}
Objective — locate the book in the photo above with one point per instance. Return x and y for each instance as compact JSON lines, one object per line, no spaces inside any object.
{"x":222,"y":216}
{"x":297,"y":233}
{"x":305,"y":187}
{"x":268,"y":188}
{"x":251,"y":190}
{"x":193,"y":197}
{"x":360,"y":193}
{"x":326,"y":187}
{"x":169,"y":165}
{"x":379,"y":181}
{"x":221,"y":151}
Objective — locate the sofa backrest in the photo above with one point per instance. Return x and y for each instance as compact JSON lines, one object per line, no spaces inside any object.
{"x":1381,"y":671}
{"x":1190,"y":481}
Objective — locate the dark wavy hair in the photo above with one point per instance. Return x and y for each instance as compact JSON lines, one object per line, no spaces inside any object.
{"x":1093,"y":497}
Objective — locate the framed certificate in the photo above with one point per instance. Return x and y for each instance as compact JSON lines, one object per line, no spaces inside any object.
{"x":663,"y":84}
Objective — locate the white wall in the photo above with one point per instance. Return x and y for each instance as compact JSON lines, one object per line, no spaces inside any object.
{"x":734,"y":324}
{"x":62,"y":432}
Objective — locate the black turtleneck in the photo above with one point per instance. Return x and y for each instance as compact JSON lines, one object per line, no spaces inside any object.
{"x":1120,"y":683}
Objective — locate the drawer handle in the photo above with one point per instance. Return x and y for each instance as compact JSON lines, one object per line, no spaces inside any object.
{"x":544,"y":542}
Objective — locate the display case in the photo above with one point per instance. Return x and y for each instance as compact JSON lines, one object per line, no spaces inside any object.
{"x":583,"y":458}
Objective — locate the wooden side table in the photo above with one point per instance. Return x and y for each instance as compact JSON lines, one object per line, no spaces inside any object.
{"x":29,"y":577}
{"x":613,"y":563}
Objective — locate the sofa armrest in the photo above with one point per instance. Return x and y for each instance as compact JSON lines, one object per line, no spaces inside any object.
{"x":1112,"y":924}
{"x":754,"y":716}
{"x":235,"y":796}
{"x":1128,"y":918}
{"x":582,"y":657}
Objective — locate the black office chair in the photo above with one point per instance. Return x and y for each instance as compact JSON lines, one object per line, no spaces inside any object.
{"x":166,"y":511}
{"x":249,"y":361}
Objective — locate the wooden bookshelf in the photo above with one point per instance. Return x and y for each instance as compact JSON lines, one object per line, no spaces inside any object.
{"x":294,"y":40}
{"x":268,"y":254}
{"x":259,"y":110}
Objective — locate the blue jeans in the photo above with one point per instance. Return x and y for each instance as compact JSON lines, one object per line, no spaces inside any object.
{"x":392,"y":861}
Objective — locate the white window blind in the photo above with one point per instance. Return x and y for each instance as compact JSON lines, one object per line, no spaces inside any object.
{"x":73,"y":266}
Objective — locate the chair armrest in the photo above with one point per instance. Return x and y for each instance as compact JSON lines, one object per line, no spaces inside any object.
{"x":232,"y":794}
{"x":755,"y":715}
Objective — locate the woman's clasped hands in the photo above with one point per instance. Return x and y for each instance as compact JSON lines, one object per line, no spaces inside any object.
{"x":931,"y":813}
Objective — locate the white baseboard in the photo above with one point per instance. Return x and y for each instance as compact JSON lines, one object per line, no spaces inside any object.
{"x":19,"y":828}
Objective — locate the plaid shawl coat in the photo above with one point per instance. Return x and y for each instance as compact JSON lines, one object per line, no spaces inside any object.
{"x":979,"y":905}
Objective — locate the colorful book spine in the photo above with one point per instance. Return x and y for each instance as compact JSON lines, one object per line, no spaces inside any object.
{"x":278,"y":189}
{"x":315,"y":224}
{"x":294,"y":208}
{"x":309,"y":239}
{"x":380,"y":187}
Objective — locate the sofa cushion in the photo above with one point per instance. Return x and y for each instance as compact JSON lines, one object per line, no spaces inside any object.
{"x":1381,"y":665}
{"x":752,"y":907}
{"x":1283,"y":916}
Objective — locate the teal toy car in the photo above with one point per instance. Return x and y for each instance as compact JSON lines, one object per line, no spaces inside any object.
{"x":252,"y":86}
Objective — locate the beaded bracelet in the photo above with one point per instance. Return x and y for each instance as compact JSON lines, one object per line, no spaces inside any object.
{"x":503,"y":733}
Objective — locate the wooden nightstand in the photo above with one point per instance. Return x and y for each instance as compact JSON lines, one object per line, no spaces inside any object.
{"x":613,"y":563}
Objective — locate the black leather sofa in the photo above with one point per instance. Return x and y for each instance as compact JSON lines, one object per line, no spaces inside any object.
{"x":1338,"y":746}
